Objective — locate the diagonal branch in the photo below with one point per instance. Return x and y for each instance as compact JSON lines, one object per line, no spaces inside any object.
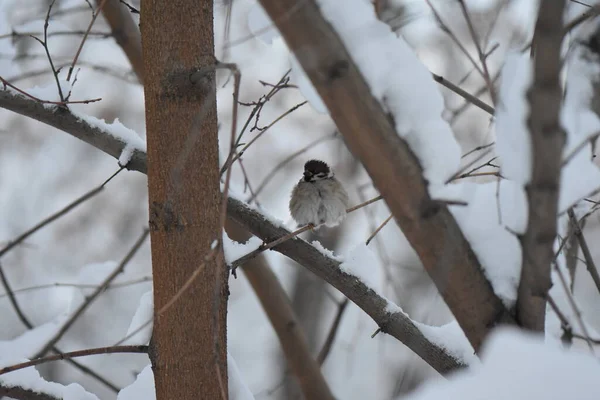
{"x":21,"y":393}
{"x":68,"y":122}
{"x":397,"y":325}
{"x":547,"y":141}
{"x":395,"y":170}
{"x":126,"y":34}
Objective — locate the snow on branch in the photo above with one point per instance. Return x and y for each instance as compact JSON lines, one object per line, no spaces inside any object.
{"x":113,"y":139}
{"x":387,"y":107}
{"x":388,"y":316}
{"x":397,"y":324}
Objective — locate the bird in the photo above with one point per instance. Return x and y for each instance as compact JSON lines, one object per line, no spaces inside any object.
{"x":318,"y":198}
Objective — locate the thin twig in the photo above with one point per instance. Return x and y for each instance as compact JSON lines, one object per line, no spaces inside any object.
{"x":56,"y":215}
{"x":464,"y":94}
{"x":589,"y":261}
{"x":564,"y":322}
{"x":264,"y":130}
{"x":45,"y":45}
{"x":85,"y":36}
{"x":482,"y":57}
{"x":379,"y":228}
{"x":574,"y":306}
{"x":452,"y":36}
{"x":62,"y":102}
{"x":326,"y":349}
{"x":74,"y":354}
{"x":89,"y":299}
{"x":144,"y":279}
{"x":175,"y":297}
{"x":236,"y":88}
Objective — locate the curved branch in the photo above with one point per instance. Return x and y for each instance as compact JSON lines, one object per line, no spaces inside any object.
{"x":396,"y":172}
{"x":397,"y":325}
{"x":66,"y":121}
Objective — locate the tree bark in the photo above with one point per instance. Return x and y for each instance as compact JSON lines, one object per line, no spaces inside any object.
{"x":188,"y":345}
{"x":547,"y":141}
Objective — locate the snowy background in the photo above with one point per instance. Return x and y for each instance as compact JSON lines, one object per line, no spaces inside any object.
{"x":43,"y":169}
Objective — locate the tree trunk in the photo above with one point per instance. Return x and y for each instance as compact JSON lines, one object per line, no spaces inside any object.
{"x":188,"y":346}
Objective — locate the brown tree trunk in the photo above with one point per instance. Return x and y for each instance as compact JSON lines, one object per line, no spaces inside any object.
{"x":188,"y":346}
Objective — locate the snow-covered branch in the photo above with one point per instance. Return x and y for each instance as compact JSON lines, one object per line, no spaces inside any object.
{"x":384,"y":313}
{"x":396,"y":324}
{"x":113,"y":139}
{"x":388,"y":109}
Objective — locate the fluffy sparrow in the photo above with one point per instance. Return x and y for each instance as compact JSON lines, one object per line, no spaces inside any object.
{"x":318,"y":198}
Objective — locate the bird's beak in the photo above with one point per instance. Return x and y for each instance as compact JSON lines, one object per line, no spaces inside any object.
{"x":307,"y":174}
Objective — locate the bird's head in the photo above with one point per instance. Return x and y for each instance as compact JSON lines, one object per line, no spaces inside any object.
{"x":315,"y":170}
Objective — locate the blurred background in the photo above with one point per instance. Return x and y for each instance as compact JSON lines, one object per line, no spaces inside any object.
{"x":43,"y":169}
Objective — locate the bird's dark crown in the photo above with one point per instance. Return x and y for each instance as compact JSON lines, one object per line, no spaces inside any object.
{"x":316,"y":167}
{"x":315,"y":170}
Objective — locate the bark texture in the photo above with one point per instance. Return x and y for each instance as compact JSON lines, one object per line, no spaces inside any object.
{"x":188,"y":346}
{"x":547,"y":141}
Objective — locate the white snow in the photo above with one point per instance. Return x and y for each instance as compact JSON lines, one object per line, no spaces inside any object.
{"x":400,"y":81}
{"x":142,"y":388}
{"x":518,"y":366}
{"x":126,"y":155}
{"x":143,"y":314}
{"x":580,"y":176}
{"x":513,"y":141}
{"x":326,"y":252}
{"x":235,"y":250}
{"x":116,"y":130}
{"x":484,"y":223}
{"x":31,"y":341}
{"x":30,"y":379}
{"x":237,"y":387}
{"x":452,"y":338}
{"x":360,"y":262}
{"x":397,"y":79}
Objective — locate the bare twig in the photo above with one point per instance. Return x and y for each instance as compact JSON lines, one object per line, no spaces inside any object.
{"x":63,"y":102}
{"x":19,"y":239}
{"x":574,"y":306}
{"x":326,"y":349}
{"x":176,"y":296}
{"x":589,"y":261}
{"x":397,"y":324}
{"x":95,"y":14}
{"x":89,"y":299}
{"x":464,"y":94}
{"x":482,"y":56}
{"x":264,"y":130}
{"x":74,"y":354}
{"x":379,"y":228}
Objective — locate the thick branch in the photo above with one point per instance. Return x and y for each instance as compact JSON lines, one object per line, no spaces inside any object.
{"x":547,"y":139}
{"x":20,"y":393}
{"x":370,"y":135}
{"x":126,"y":33}
{"x":397,"y":325}
{"x":66,"y":121}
